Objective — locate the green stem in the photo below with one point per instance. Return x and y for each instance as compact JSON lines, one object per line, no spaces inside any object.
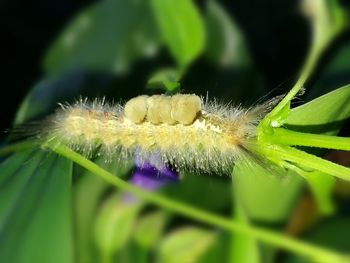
{"x":306,"y":71}
{"x":288,"y":137}
{"x":308,"y":161}
{"x":270,"y":237}
{"x":320,"y":39}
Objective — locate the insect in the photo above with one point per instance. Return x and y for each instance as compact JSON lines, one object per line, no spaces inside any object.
{"x":187,"y":131}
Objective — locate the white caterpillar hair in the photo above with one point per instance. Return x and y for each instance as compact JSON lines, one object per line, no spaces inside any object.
{"x":186,"y":131}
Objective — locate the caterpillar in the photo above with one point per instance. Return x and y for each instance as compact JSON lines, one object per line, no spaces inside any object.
{"x":185,"y":130}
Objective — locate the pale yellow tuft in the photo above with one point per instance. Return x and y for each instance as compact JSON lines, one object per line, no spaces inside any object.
{"x":185,"y":131}
{"x":185,"y":108}
{"x":165,"y":110}
{"x":157,"y":109}
{"x":136,"y":109}
{"x":153,"y":113}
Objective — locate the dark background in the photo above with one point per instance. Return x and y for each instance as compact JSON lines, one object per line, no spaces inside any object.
{"x":276,"y":33}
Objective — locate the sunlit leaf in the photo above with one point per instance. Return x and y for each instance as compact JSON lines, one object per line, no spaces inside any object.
{"x":325,"y":115}
{"x":188,"y":244}
{"x":327,"y":19}
{"x":225,"y":44}
{"x":108,"y":35}
{"x":114,"y":224}
{"x":35,"y":208}
{"x":181,"y":27}
{"x":322,"y":187}
{"x":167,"y":79}
{"x":265,"y":195}
{"x":149,"y":229}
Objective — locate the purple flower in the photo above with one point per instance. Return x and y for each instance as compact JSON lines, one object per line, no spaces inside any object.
{"x":151,"y":175}
{"x":150,"y":178}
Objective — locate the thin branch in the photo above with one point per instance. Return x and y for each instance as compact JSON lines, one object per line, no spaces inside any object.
{"x":270,"y":237}
{"x":287,"y":137}
{"x":307,"y":160}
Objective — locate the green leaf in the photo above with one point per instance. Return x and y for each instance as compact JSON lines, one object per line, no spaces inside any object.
{"x":108,"y":35}
{"x":88,"y":193}
{"x":149,"y":229}
{"x":322,"y":188}
{"x":114,"y":224}
{"x":225,"y":43}
{"x":187,"y":244}
{"x":33,"y":105}
{"x":35,"y":208}
{"x":181,"y":27}
{"x":244,"y":249}
{"x":327,"y":18}
{"x":266,"y":195}
{"x":210,"y":185}
{"x":132,"y":252}
{"x":332,"y":110}
{"x":167,"y":79}
{"x":324,"y":115}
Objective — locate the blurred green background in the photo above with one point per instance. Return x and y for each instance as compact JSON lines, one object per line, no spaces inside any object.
{"x":237,"y":51}
{"x":276,"y":35}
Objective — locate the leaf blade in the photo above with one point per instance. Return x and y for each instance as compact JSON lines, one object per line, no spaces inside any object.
{"x":181,"y":27}
{"x":33,"y":219}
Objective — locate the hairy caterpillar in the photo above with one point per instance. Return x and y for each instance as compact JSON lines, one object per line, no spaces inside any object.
{"x":183,"y":129}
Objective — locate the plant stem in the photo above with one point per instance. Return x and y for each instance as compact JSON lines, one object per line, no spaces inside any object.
{"x":320,"y":40}
{"x":270,"y":237}
{"x":308,"y":161}
{"x":306,"y":71}
{"x":288,"y":137}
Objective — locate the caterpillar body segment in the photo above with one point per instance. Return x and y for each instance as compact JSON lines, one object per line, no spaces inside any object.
{"x":182,"y":129}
